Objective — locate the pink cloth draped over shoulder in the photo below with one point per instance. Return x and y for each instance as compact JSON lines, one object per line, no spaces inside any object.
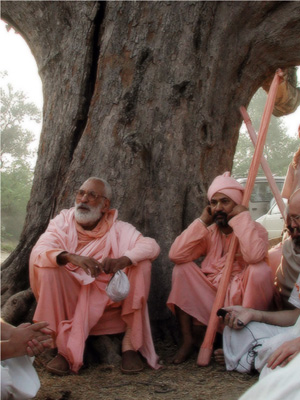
{"x":75,"y":304}
{"x":194,"y":288}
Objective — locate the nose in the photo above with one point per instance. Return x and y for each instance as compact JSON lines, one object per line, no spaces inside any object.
{"x":294,"y":223}
{"x":84,"y":198}
{"x":219,"y":206}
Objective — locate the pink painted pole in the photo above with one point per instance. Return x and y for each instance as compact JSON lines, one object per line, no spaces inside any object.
{"x":263,"y":162}
{"x":205,"y":352}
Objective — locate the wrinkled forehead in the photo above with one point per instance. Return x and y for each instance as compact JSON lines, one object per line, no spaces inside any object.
{"x":93,"y":186}
{"x":218,"y":196}
{"x":293,"y":207}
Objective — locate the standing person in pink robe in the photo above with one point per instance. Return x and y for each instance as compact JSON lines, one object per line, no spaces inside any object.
{"x":70,"y":267}
{"x":193,"y":287}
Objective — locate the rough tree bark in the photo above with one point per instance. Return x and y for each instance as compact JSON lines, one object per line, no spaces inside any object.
{"x":146,"y":95}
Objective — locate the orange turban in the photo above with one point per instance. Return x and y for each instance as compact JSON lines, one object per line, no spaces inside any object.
{"x":227,"y":185}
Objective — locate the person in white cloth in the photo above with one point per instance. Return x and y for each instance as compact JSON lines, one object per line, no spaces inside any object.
{"x":264,"y":340}
{"x":272,"y":387}
{"x":19,"y":345}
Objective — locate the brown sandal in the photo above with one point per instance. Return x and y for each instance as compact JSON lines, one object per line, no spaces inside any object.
{"x":131,"y":362}
{"x":58,"y":366}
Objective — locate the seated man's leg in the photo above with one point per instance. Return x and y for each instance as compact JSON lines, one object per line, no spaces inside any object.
{"x":57,"y":293}
{"x":191,"y":297}
{"x":258,"y":286}
{"x":135,"y":314}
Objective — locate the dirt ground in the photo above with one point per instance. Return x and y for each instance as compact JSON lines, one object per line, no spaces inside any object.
{"x":171,"y":382}
{"x":186,"y":381}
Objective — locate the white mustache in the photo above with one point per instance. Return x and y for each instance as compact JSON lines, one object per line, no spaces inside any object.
{"x":82,"y":205}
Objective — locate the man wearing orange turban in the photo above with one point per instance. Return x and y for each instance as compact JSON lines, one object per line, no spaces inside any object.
{"x":194,"y":288}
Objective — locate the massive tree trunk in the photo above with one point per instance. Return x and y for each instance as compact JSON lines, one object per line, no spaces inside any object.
{"x":146,"y":95}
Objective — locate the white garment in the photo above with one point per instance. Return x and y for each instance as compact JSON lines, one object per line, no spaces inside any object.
{"x":295,"y":294}
{"x":283,"y":383}
{"x":241,"y":347}
{"x":249,"y":348}
{"x":19,"y":379}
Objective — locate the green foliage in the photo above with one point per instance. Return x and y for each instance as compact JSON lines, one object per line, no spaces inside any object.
{"x":279,"y":148}
{"x":16,"y":171}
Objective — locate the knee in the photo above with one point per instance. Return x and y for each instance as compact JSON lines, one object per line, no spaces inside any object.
{"x":143,"y":268}
{"x":181,"y":270}
{"x":260,"y":274}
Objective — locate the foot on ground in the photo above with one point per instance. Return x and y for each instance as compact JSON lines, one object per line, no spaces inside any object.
{"x":58,"y":366}
{"x":131,"y":362}
{"x":219,"y":356}
{"x":184,"y":352}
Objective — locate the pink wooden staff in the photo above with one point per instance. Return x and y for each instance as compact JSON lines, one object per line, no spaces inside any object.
{"x":207,"y":345}
{"x":263,"y":162}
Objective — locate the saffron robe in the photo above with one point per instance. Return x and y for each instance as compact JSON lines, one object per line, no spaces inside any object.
{"x":194,"y":288}
{"x":74,"y":303}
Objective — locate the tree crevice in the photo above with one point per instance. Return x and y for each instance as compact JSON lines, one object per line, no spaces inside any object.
{"x":90,"y":82}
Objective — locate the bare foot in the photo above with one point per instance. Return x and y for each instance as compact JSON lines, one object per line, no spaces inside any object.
{"x":131,"y":362}
{"x":58,"y":366}
{"x":183,"y":353}
{"x":219,"y":356}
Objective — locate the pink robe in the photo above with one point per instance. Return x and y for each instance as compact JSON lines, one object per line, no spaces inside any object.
{"x":194,"y":288}
{"x":75,"y":304}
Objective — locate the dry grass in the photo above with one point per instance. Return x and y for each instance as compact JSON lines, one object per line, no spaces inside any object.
{"x":171,"y":382}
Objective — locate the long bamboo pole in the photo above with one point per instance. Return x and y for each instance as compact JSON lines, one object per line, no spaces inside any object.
{"x":263,"y":162}
{"x":206,"y":349}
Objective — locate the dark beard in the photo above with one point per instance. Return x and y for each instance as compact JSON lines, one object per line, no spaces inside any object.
{"x":222,"y":222}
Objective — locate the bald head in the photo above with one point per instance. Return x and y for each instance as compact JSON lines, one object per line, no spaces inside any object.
{"x":105,"y":186}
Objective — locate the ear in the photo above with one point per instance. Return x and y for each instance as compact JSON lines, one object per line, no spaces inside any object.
{"x":106,"y":206}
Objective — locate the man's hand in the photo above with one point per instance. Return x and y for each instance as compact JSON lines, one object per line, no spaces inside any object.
{"x":30,"y":339}
{"x":112,"y":265}
{"x":206,"y":216}
{"x":238,"y":316}
{"x":237,"y":210}
{"x":284,"y":354}
{"x":88,"y":264}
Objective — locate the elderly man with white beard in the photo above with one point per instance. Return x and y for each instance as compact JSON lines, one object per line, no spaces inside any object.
{"x":70,"y":267}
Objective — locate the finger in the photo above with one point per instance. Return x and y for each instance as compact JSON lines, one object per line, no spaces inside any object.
{"x":24,"y":325}
{"x":276,"y":359}
{"x":240,"y":324}
{"x":37,"y":347}
{"x":42,"y":338}
{"x":39,"y":325}
{"x":33,"y":348}
{"x":46,"y":331}
{"x":107,"y":265}
{"x":30,"y":353}
{"x":47,"y":343}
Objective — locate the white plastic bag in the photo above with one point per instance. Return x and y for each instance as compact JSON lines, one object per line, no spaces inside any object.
{"x":118,"y":287}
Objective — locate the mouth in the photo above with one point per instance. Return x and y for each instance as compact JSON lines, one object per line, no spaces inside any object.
{"x":83,"y":208}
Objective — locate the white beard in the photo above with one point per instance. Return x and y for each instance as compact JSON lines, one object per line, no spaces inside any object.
{"x":86,"y":217}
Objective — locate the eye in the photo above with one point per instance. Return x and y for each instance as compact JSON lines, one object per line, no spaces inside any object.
{"x":92,"y":195}
{"x":225,"y":201}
